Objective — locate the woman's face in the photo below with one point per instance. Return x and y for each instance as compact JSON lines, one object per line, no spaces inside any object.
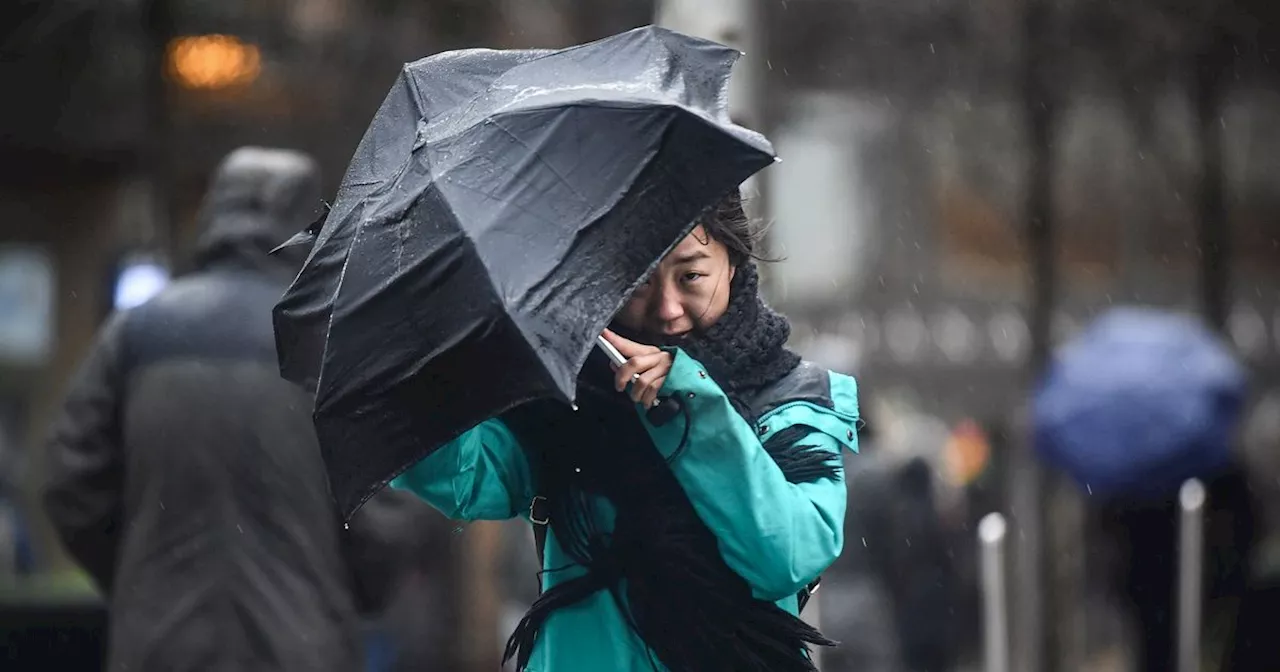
{"x":689,"y":290}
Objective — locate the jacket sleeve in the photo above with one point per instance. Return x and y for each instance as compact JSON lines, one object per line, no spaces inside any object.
{"x":83,"y":495}
{"x":481,"y":475}
{"x":777,"y":535}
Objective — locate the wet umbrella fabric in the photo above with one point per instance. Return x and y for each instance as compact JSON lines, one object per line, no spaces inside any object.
{"x":500,"y":209}
{"x":1139,"y":402}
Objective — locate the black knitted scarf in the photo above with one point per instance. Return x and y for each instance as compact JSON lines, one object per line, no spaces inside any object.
{"x":745,"y":349}
{"x":660,"y":564}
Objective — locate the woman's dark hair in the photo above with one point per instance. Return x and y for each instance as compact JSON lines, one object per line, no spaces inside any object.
{"x":727,"y":223}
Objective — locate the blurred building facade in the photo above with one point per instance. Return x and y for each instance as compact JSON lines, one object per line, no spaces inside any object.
{"x":928,"y":146}
{"x":900,"y":207}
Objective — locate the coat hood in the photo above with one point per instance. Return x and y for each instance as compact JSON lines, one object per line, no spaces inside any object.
{"x":259,"y":197}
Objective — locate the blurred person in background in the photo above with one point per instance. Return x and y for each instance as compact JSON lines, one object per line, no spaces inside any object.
{"x":184,"y":472}
{"x":855,"y":596}
{"x":1252,"y":646}
{"x":1131,"y":430}
{"x":1144,"y":535}
{"x":891,"y":598}
{"x":417,"y":626}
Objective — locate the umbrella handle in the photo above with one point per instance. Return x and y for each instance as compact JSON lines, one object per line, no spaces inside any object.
{"x":667,"y":407}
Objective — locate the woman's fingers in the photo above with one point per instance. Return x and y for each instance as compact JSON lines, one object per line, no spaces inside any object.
{"x":645,"y":370}
{"x":630,"y":372}
{"x":645,"y":387}
{"x":627,"y":347}
{"x":640,"y":388}
{"x":649,"y":385}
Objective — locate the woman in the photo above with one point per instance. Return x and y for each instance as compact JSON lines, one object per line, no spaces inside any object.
{"x":683,"y":546}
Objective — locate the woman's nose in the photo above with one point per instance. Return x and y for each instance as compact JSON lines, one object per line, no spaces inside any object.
{"x":670,"y":306}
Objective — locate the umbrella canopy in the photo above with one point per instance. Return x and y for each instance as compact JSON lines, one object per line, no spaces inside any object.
{"x":1141,"y":401}
{"x":498,"y":212}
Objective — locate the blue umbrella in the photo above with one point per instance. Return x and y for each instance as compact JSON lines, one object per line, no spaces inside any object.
{"x":1139,"y":402}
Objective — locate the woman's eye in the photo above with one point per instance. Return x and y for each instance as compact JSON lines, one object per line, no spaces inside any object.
{"x":691,"y":276}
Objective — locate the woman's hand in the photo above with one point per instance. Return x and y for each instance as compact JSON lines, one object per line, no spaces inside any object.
{"x":645,"y":370}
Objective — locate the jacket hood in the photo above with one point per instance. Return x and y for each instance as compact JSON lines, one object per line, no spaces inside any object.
{"x":259,"y":197}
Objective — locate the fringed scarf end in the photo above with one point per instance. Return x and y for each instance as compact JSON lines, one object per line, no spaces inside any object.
{"x":802,"y":463}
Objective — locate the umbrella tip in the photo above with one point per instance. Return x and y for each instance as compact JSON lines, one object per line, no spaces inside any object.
{"x":575,"y":406}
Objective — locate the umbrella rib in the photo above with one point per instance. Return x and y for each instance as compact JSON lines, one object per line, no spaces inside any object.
{"x":638,"y":103}
{"x":490,"y":196}
{"x":649,"y":164}
{"x":545,"y":53}
{"x":541,"y":160}
{"x":601,"y":211}
{"x":333,"y":301}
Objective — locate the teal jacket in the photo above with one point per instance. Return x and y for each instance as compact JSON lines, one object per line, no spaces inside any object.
{"x":777,"y":535}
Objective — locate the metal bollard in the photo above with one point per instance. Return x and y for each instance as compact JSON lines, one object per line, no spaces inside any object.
{"x":1191,"y":498}
{"x":995,"y":613}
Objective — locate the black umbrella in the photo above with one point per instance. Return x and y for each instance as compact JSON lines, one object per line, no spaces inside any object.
{"x":496,"y":215}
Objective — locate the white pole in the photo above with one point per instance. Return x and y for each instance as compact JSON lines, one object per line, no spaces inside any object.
{"x":1191,"y":499}
{"x":735,"y":23}
{"x":995,"y":617}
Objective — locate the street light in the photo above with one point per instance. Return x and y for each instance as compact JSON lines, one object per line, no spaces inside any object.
{"x":212,"y":61}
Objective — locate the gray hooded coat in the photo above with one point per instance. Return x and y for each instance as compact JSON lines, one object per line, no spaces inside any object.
{"x":185,"y":475}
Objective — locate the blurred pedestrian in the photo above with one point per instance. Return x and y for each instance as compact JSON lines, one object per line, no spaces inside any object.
{"x":1250,"y":646}
{"x":1144,"y":531}
{"x":184,"y":472}
{"x":899,"y":568}
{"x":1130,"y":428}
